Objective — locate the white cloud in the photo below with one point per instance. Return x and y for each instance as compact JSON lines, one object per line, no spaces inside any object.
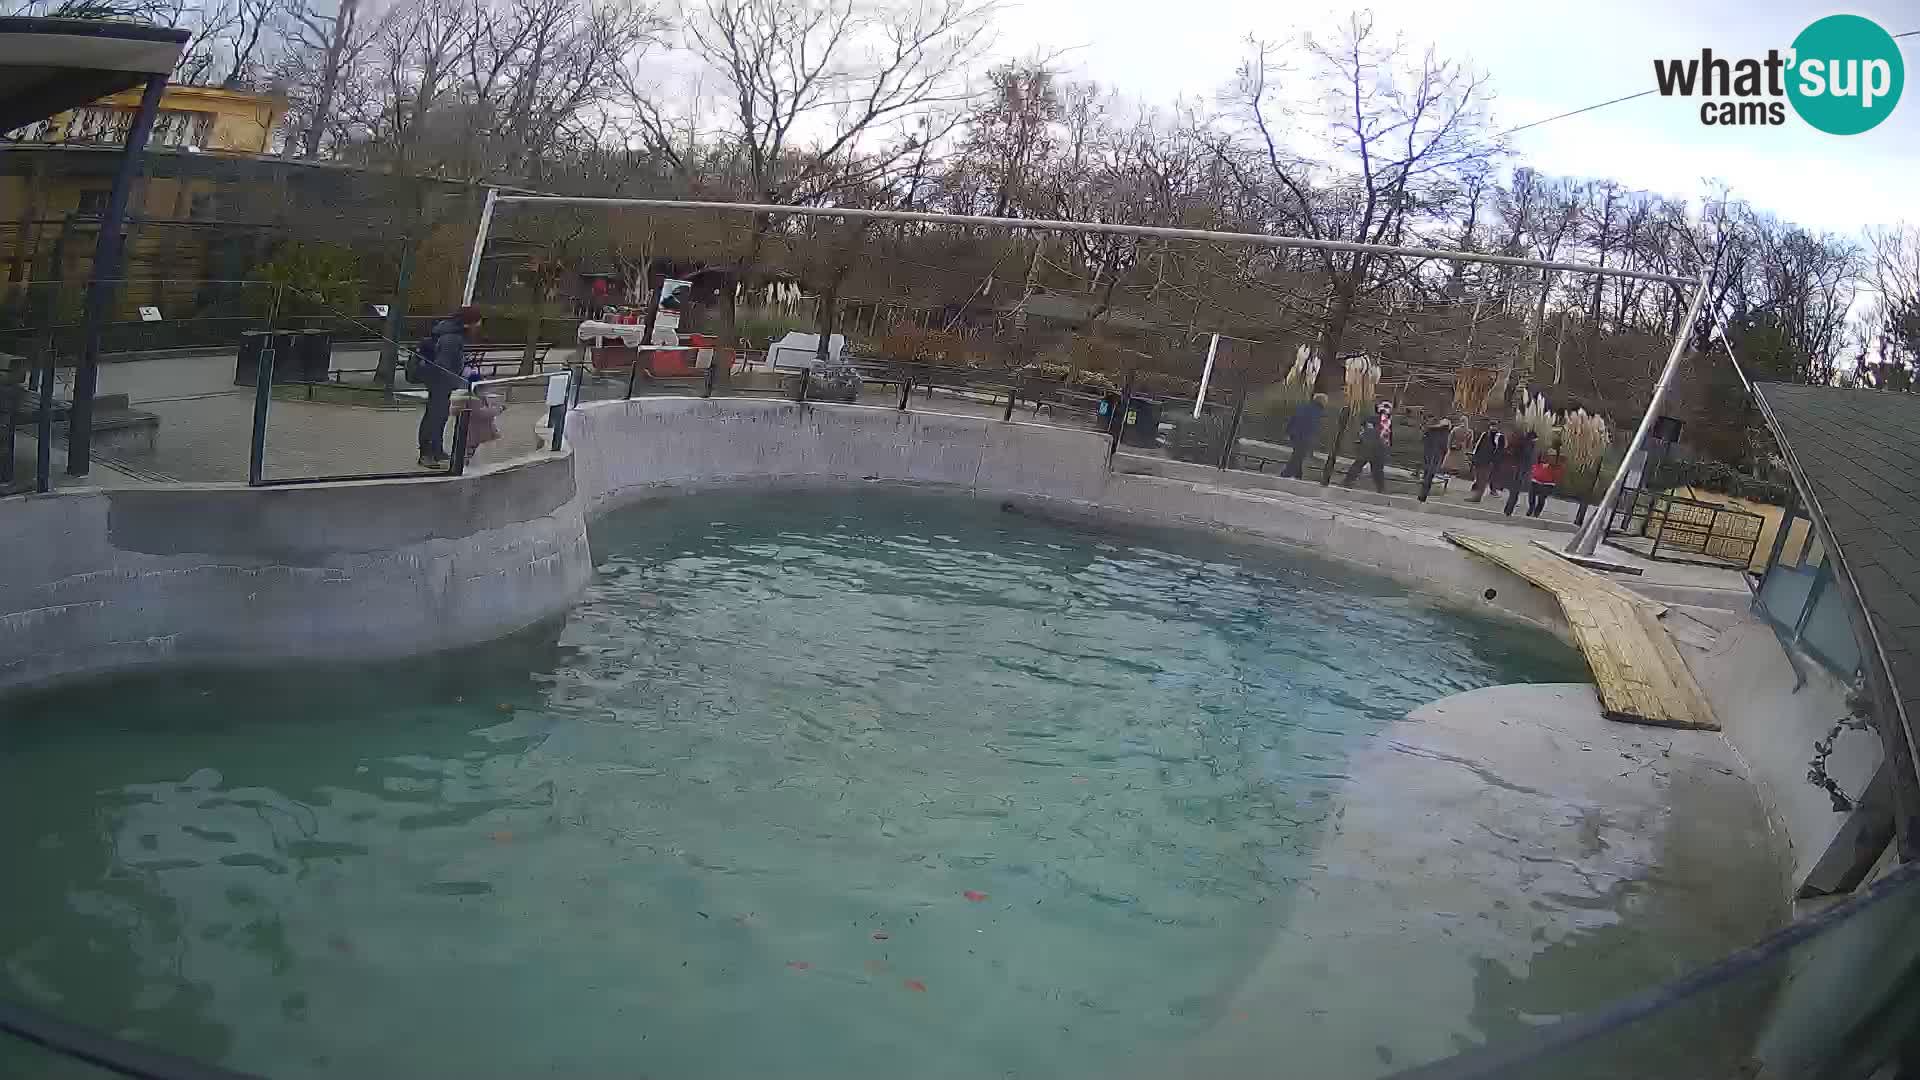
{"x":1546,"y":58}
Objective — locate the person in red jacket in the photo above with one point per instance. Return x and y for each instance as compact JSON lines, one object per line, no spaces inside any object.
{"x":1546,"y":477}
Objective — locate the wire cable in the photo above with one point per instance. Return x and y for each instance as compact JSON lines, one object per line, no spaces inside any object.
{"x":1575,"y":112}
{"x":1616,"y":101}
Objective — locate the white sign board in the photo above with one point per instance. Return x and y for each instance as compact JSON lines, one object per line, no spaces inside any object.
{"x":557,"y":389}
{"x":797,"y":350}
{"x":149,"y":314}
{"x":672,"y":287}
{"x":380,"y":310}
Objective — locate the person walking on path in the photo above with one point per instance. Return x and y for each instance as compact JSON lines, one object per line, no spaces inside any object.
{"x":1522,"y":455}
{"x":1546,"y":477}
{"x":1303,"y":430}
{"x":1486,"y":455}
{"x":1376,"y":439}
{"x":442,"y":362}
{"x":1433,"y":451}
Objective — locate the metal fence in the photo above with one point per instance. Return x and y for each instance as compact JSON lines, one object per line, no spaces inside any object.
{"x":179,"y":397}
{"x":1670,"y":528}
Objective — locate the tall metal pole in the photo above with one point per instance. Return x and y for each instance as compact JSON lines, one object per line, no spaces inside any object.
{"x":1587,"y":540}
{"x":107,"y":250}
{"x":1206,"y":376}
{"x":479,"y":245}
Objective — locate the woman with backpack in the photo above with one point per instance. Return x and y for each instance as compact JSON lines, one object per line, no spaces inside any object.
{"x":438,"y":362}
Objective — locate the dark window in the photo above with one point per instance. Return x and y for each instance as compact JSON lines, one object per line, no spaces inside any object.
{"x":94,"y":203}
{"x":202,"y":206}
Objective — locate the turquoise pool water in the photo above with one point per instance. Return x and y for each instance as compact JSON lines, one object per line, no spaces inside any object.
{"x":824,"y":786}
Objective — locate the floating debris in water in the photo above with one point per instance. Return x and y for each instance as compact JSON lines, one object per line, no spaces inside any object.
{"x":974,"y":895}
{"x":501,"y":837}
{"x":881,"y":935}
{"x":916,"y":986}
{"x":799,"y":965}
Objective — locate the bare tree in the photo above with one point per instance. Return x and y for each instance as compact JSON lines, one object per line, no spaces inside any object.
{"x":323,"y":49}
{"x":1397,"y":136}
{"x":823,"y":95}
{"x":232,"y":41}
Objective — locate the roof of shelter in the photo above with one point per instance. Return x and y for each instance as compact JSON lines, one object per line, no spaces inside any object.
{"x":48,"y":66}
{"x":1858,"y":454}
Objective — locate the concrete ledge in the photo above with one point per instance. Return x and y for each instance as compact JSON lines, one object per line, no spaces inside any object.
{"x":100,"y":581}
{"x":1140,"y":464}
{"x":648,"y":447}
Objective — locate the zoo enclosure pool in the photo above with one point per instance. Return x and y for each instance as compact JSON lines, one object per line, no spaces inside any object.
{"x":699,"y":645}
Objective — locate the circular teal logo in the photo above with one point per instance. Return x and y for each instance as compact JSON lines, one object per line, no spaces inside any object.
{"x":1846,"y":76}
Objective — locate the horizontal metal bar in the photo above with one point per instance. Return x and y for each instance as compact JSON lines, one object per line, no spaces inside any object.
{"x":1049,"y":225}
{"x":538,"y":376}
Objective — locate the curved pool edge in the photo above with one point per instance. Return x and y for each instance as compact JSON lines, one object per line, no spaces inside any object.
{"x":102,"y":581}
{"x":1517,"y":820}
{"x":647,"y":448}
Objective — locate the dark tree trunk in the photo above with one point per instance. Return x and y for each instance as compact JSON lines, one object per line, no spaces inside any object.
{"x":829,"y":311}
{"x":1339,"y":313}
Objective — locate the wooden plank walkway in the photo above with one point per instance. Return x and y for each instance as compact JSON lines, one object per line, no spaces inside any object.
{"x":1639,"y":671}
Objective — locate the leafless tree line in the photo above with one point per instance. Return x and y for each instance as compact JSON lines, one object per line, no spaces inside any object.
{"x":1347,"y":135}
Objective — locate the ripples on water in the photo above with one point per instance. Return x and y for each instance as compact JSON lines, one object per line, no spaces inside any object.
{"x":808,"y":785}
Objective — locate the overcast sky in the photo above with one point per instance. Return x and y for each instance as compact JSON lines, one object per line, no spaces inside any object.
{"x":1545,"y":57}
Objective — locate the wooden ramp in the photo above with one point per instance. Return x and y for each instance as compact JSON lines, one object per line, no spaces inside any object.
{"x":1636,"y":665}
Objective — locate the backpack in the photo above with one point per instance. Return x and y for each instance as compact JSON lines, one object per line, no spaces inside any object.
{"x":418,"y":358}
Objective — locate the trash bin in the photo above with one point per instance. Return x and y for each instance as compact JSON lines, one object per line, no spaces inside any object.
{"x":313,"y":355}
{"x":246,"y":365}
{"x":286,"y":365}
{"x":1143,"y":423}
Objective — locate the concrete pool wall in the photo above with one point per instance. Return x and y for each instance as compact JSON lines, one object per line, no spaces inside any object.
{"x":627,"y":451}
{"x":98,"y":581}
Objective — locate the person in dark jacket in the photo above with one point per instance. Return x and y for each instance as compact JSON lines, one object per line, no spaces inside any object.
{"x":1486,"y":456}
{"x":441,"y":370}
{"x":1522,"y":455}
{"x":1303,"y":430}
{"x":1433,"y":451}
{"x":1376,"y":441}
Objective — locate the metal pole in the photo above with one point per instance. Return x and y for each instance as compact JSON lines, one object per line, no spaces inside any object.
{"x":560,"y":416}
{"x":262,"y":398}
{"x":1119,"y":419}
{"x":1587,"y":540}
{"x":459,"y":463}
{"x":1101,"y":227}
{"x":479,"y":245}
{"x":107,"y":249}
{"x":1206,"y":376}
{"x":43,"y":463}
{"x":1233,"y":427}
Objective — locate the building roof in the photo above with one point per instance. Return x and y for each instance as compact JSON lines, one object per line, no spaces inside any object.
{"x":1856,"y":454}
{"x":52,"y":65}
